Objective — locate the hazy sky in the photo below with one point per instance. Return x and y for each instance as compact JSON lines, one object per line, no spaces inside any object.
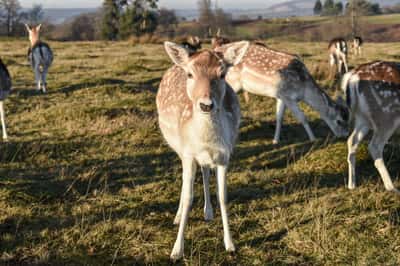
{"x":165,"y":3}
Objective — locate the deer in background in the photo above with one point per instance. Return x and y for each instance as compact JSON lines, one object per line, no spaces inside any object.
{"x":40,"y":56}
{"x":373,"y":96}
{"x":218,"y":41}
{"x":357,"y":45}
{"x":271,"y":73}
{"x":338,"y":51}
{"x":199,"y":117}
{"x":192,"y":44}
{"x":5,"y":89}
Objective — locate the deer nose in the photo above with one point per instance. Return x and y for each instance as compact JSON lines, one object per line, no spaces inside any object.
{"x":206,"y":108}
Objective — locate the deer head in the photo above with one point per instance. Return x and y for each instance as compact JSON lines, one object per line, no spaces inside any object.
{"x":33,"y":33}
{"x":205,"y":71}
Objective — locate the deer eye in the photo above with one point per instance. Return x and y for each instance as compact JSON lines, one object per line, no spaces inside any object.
{"x":223,"y":75}
{"x":189,"y":75}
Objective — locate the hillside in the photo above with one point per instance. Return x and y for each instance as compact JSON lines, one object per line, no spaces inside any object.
{"x":86,"y":178}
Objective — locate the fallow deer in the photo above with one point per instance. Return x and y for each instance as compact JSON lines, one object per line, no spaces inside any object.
{"x":199,"y":117}
{"x":373,"y":96}
{"x":5,"y":89}
{"x":357,"y":45}
{"x":338,"y":55}
{"x":218,"y":41}
{"x":267,"y":72}
{"x":40,"y":56}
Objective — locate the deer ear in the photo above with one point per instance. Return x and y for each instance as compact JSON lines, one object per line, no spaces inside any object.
{"x":235,"y":52}
{"x":178,"y":54}
{"x":38,"y":27}
{"x":27,"y":27}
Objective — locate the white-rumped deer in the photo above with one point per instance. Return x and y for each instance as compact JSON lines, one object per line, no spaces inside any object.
{"x":373,"y":96}
{"x":338,"y":51}
{"x":199,"y":117}
{"x":40,"y":56}
{"x":267,"y":72}
{"x":5,"y":89}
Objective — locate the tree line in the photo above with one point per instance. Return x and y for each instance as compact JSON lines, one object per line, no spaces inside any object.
{"x":12,"y":18}
{"x":335,"y":8}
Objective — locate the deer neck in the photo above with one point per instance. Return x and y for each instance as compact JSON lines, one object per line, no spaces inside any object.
{"x":34,"y":40}
{"x":315,"y":97}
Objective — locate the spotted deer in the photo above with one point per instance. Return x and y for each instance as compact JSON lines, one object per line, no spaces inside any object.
{"x":40,"y":56}
{"x":199,"y":118}
{"x":338,"y":51}
{"x":5,"y":89}
{"x":373,"y":96}
{"x":357,"y":45}
{"x":267,"y":72}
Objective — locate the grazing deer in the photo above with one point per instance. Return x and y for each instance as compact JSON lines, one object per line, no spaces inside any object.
{"x":267,"y":72}
{"x":5,"y":89}
{"x":338,"y":55}
{"x":40,"y":56}
{"x":192,"y":44}
{"x":357,"y":45}
{"x":373,"y":96}
{"x":199,"y":117}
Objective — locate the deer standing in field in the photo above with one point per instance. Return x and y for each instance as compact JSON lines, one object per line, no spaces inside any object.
{"x":357,"y":45}
{"x":40,"y":56}
{"x":373,"y":96}
{"x":199,"y":117}
{"x":267,"y":72}
{"x":338,"y":51}
{"x":5,"y":89}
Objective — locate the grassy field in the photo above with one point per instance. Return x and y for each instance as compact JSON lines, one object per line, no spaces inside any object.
{"x":86,"y":178}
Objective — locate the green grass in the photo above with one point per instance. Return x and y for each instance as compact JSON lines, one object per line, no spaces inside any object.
{"x":87,"y":179}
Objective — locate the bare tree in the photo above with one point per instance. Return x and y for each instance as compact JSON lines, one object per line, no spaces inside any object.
{"x":10,"y":14}
{"x":206,"y":15}
{"x":36,"y":14}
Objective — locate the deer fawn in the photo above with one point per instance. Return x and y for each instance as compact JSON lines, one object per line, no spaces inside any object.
{"x":40,"y":56}
{"x":267,"y":72}
{"x":199,"y":117}
{"x":5,"y":89}
{"x":373,"y":96}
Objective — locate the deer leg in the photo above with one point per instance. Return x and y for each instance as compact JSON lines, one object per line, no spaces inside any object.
{"x":280,"y":111}
{"x":246,"y":96}
{"x":208,"y":209}
{"x":44,"y":77}
{"x":375,"y":148}
{"x":3,"y":123}
{"x":189,"y":171}
{"x":353,"y":141}
{"x":38,"y":77}
{"x":179,"y":212}
{"x":222,"y":192}
{"x":301,"y":118}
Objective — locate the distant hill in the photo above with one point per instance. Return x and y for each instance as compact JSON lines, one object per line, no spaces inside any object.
{"x":284,"y":9}
{"x":59,"y":15}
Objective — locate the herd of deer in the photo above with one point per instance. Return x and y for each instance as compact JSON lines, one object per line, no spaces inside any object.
{"x":199,"y":111}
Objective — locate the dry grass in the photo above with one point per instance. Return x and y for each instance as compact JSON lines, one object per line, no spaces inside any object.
{"x":86,"y":178}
